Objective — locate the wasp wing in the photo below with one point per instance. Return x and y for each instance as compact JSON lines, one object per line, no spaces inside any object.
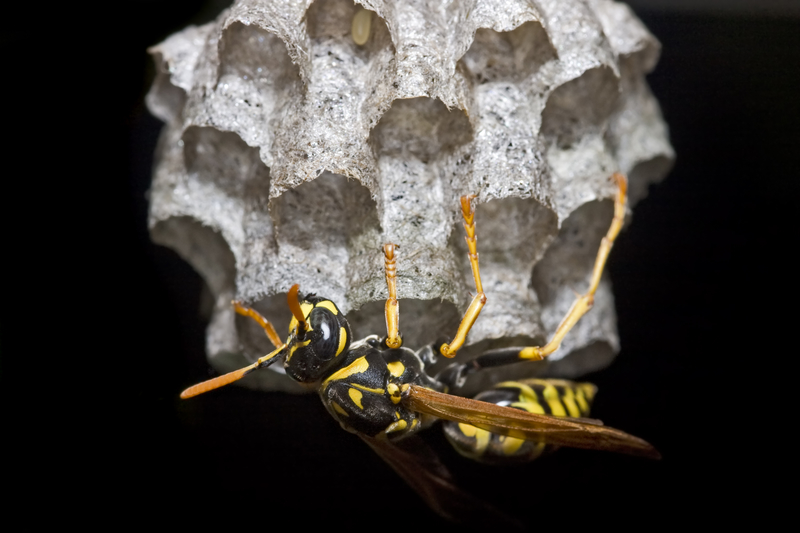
{"x":555,"y":430}
{"x":421,"y":469}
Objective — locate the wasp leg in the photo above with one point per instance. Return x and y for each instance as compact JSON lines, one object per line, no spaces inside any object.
{"x":236,"y":375}
{"x":267,"y":360}
{"x":474,"y":309}
{"x":454,"y":375}
{"x":585,"y":301}
{"x":392,"y":311}
{"x":263,"y":322}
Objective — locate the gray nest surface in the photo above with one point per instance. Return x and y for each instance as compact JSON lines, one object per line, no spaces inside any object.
{"x":291,"y":154}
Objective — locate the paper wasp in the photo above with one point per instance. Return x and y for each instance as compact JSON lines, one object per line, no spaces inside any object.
{"x":379,"y":389}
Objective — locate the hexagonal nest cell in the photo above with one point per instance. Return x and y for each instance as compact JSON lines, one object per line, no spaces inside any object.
{"x":291,"y":154}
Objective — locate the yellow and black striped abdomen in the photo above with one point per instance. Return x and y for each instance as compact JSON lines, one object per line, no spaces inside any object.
{"x":541,"y":396}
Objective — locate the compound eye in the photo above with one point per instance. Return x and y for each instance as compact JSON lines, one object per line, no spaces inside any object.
{"x":326,"y":333}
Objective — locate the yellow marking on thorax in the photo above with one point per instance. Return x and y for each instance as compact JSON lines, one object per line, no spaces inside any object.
{"x":356,"y":367}
{"x":368,"y":389}
{"x":551,"y":397}
{"x":338,"y":409}
{"x":327,"y":304}
{"x":362,"y":21}
{"x":394,"y":393}
{"x":396,"y":368}
{"x":481,"y":436}
{"x":342,"y":340}
{"x":356,"y":396}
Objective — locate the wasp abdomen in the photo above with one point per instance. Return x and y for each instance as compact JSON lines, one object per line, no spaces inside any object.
{"x":540,"y":396}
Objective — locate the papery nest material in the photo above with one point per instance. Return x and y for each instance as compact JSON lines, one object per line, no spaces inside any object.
{"x":291,"y":154}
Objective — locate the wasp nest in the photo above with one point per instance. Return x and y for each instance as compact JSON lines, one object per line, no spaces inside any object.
{"x":301,"y":136}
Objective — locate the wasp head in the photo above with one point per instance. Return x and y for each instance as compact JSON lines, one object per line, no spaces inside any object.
{"x":317,"y":341}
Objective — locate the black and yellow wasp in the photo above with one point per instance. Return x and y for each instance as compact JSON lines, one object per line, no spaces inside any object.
{"x":380,"y":390}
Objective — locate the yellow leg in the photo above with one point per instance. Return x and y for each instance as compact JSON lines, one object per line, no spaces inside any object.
{"x":584,"y":302}
{"x":474,"y":309}
{"x":230,"y":377}
{"x":267,"y":360}
{"x":263,"y":322}
{"x":392,"y":310}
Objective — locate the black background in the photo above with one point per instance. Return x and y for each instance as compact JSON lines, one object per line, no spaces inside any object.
{"x":703,"y":297}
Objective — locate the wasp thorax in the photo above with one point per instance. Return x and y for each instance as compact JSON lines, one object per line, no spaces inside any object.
{"x":314,"y":351}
